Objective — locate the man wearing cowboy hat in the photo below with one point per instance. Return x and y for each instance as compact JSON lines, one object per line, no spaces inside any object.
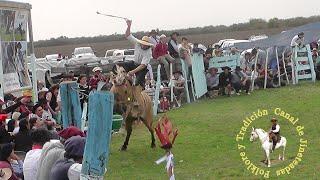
{"x":142,"y":56}
{"x":274,"y":133}
{"x":240,"y":80}
{"x":97,"y":77}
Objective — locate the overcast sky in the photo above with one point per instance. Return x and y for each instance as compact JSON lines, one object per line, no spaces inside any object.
{"x":74,"y":18}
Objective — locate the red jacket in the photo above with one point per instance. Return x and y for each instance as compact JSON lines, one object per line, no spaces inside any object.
{"x":160,"y":50}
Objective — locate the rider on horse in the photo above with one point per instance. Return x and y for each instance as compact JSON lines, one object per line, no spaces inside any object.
{"x":274,"y":133}
{"x":142,"y":57}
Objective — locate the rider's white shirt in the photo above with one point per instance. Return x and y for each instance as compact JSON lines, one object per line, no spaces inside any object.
{"x":277,"y":129}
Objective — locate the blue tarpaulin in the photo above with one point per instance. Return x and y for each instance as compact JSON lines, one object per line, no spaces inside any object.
{"x":311,"y":34}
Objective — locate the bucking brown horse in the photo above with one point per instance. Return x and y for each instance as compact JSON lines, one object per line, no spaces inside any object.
{"x":136,"y":103}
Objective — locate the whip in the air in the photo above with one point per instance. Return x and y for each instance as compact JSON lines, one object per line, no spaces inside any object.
{"x":109,"y":15}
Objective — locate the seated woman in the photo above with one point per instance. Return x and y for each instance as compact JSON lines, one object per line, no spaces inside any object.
{"x":7,"y":157}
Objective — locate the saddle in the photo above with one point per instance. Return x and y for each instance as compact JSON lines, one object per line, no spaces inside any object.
{"x":274,"y":136}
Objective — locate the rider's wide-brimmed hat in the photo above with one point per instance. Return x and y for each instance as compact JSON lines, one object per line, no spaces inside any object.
{"x":145,"y":41}
{"x":273,"y":120}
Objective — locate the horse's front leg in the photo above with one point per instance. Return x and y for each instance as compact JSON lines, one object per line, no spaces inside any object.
{"x":129,"y":131}
{"x":268,"y":158}
{"x":284,"y":148}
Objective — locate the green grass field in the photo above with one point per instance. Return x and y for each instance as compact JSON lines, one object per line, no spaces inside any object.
{"x":206,"y":147}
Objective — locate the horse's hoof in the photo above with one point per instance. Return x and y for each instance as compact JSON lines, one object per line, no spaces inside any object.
{"x":153,"y":146}
{"x":269,"y":165}
{"x":123,"y":148}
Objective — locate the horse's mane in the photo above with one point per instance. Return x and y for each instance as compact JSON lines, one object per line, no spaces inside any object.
{"x":261,"y":130}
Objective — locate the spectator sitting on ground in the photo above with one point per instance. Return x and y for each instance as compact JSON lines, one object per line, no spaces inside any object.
{"x":13,"y":124}
{"x":70,"y":166}
{"x":298,"y":40}
{"x":173,"y":45}
{"x":160,"y":53}
{"x":240,"y":80}
{"x":259,"y":75}
{"x":31,"y":162}
{"x":22,"y":140}
{"x":7,"y":158}
{"x":53,"y":151}
{"x":212,"y":82}
{"x":47,"y":116}
{"x":154,"y":38}
{"x":4,"y":135}
{"x":35,"y":123}
{"x":225,"y":81}
{"x":48,"y":123}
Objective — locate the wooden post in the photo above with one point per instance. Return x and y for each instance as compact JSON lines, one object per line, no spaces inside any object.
{"x":254,"y":71}
{"x":293,"y":70}
{"x":33,"y":58}
{"x":279,"y":78}
{"x":171,"y":83}
{"x":96,"y":152}
{"x":70,"y":102}
{"x":184,"y":73}
{"x":1,"y":74}
{"x":157,"y":92}
{"x":284,"y":66}
{"x":266,"y":70}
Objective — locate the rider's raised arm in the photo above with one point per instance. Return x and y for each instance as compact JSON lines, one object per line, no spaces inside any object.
{"x":128,"y":34}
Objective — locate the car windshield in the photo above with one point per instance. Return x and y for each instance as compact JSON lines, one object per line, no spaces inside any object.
{"x":109,"y":53}
{"x":82,"y":51}
{"x":129,"y":52}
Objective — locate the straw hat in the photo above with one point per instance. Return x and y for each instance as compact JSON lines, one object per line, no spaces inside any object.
{"x":145,"y":41}
{"x":163,"y":36}
{"x":27,"y":93}
{"x":16,"y":115}
{"x":5,"y":173}
{"x":96,"y":69}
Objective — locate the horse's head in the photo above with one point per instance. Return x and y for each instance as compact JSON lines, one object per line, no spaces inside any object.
{"x":121,"y":76}
{"x":253,"y":135}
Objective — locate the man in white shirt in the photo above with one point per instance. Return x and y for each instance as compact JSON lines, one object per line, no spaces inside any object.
{"x":274,"y":133}
{"x":142,"y":57}
{"x":31,"y":161}
{"x":297,"y":40}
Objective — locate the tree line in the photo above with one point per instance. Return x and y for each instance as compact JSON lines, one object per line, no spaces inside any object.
{"x":252,"y":24}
